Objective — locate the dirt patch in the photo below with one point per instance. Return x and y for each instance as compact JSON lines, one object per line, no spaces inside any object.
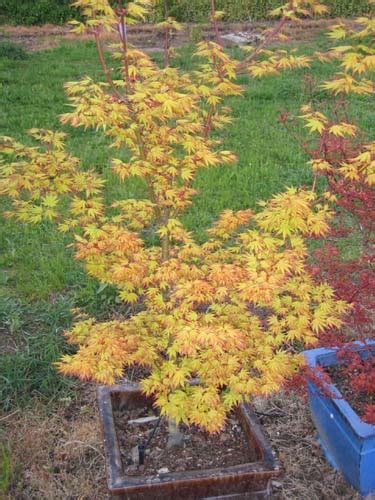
{"x":8,"y":345}
{"x":200,"y":450}
{"x":34,"y":38}
{"x":148,"y":37}
{"x":10,"y":341}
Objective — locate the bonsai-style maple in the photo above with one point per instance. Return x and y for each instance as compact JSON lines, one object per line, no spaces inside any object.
{"x":232,"y":312}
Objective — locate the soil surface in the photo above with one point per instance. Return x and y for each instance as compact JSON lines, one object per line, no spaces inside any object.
{"x":356,"y":399}
{"x":200,"y":450}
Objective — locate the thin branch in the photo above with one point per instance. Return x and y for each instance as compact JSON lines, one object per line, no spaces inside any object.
{"x":243,"y":64}
{"x":167,"y":39}
{"x":215,"y":23}
{"x":84,"y":445}
{"x":9,"y":415}
{"x":124,"y":41}
{"x":105,"y":68}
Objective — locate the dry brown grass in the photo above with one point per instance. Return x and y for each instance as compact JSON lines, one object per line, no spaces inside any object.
{"x":56,"y":456}
{"x":307,"y":474}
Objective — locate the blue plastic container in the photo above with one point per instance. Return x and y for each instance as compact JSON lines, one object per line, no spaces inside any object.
{"x":347,"y":441}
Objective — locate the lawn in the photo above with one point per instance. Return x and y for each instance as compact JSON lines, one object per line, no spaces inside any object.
{"x":39,"y":280}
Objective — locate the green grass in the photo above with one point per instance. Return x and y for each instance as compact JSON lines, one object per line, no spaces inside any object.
{"x":39,"y":280}
{"x":5,"y":469}
{"x":11,"y":50}
{"x":31,"y":341}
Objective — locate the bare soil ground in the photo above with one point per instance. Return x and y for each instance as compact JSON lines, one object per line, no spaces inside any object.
{"x":200,"y":450}
{"x":148,"y":37}
{"x":59,"y":455}
{"x":307,"y":474}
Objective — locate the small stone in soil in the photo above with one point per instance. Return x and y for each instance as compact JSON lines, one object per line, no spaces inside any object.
{"x":163,"y":470}
{"x":143,"y":420}
{"x":155,"y":453}
{"x":134,"y":453}
{"x":132,"y":469}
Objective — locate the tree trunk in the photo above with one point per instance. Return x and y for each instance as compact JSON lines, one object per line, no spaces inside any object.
{"x":175,"y":437}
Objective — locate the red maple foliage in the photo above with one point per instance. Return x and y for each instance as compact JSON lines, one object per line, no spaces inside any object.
{"x":360,"y":372}
{"x":352,"y":276}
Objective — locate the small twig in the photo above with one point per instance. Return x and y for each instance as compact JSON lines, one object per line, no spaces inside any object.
{"x":243,"y":64}
{"x":271,"y":413}
{"x":166,"y":37}
{"x":68,"y":443}
{"x":9,"y":415}
{"x":124,"y":42}
{"x":153,"y":432}
{"x":105,"y":68}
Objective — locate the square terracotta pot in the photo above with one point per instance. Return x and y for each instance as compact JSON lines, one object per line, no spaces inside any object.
{"x":245,"y":481}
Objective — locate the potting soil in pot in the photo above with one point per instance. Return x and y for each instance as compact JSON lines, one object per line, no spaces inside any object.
{"x":356,"y":398}
{"x":200,"y":450}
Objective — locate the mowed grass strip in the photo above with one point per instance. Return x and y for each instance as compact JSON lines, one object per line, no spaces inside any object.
{"x":36,"y":267}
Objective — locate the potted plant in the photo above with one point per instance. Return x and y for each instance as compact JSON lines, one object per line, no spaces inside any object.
{"x":347,"y":439}
{"x":212,"y":324}
{"x":251,"y":475}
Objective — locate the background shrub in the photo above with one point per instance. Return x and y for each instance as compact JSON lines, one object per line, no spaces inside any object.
{"x":59,"y":11}
{"x":245,"y":10}
{"x":37,"y":11}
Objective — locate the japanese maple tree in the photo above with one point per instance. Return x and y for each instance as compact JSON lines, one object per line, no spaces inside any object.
{"x":232,"y":312}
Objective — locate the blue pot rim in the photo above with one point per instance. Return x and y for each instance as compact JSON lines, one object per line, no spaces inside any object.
{"x":313,"y":358}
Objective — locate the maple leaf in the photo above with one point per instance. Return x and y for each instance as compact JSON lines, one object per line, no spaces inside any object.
{"x":337,"y":32}
{"x":342,"y":129}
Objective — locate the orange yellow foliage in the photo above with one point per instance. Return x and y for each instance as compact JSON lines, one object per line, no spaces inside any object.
{"x":357,"y":57}
{"x":357,"y":61}
{"x":39,"y":180}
